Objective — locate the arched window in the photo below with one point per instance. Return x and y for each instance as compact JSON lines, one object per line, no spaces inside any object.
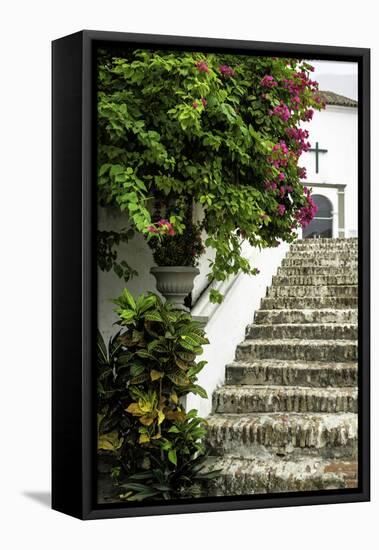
{"x":322,"y":223}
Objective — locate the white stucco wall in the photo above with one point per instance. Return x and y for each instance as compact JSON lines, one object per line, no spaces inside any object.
{"x":226,"y":327}
{"x":335,"y":129}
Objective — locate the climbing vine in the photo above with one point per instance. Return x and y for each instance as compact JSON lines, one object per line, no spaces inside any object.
{"x":177,"y":128}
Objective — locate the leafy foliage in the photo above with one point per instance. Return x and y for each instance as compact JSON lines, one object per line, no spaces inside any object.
{"x":184,"y":249}
{"x":107,"y":254}
{"x":143,"y":374}
{"x":216,"y":129}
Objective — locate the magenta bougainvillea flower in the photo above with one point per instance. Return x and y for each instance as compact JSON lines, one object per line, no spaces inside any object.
{"x":281,"y":209}
{"x":202,"y":67}
{"x":268,"y":81}
{"x":282,"y":111}
{"x":226,"y":70}
{"x":204,"y":102}
{"x":195,"y":104}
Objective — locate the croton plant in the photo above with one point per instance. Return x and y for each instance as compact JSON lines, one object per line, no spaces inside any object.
{"x":143,"y":375}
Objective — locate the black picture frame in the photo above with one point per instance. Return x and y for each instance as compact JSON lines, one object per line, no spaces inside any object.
{"x":74,"y":274}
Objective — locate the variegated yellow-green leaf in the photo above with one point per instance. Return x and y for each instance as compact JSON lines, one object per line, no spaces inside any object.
{"x":155,"y":375}
{"x":174,"y":398}
{"x":161,"y":416}
{"x":134,"y":409}
{"x":144,"y":438}
{"x":109,"y":442}
{"x":147,"y":419}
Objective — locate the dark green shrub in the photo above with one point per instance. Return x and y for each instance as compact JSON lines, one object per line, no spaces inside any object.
{"x":144,"y":374}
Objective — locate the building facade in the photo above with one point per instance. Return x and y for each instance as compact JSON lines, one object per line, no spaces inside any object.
{"x":332,"y":168}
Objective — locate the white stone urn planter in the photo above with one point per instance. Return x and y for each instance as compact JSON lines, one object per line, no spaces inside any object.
{"x":175,"y":283}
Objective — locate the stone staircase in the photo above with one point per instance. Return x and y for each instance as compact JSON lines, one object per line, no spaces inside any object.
{"x":286,"y":418}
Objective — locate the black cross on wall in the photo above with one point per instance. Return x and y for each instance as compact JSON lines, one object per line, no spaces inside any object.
{"x":317,"y":150}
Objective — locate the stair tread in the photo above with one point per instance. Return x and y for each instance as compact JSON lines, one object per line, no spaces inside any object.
{"x":278,"y":390}
{"x":296,"y":341}
{"x":304,"y":324}
{"x":293,"y":363}
{"x":240,"y":476}
{"x":330,"y":420}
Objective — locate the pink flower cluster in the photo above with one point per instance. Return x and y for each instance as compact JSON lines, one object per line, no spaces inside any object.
{"x":299,"y":136}
{"x":202,"y":67}
{"x":285,"y":189}
{"x":281,"y":209}
{"x":226,"y":70}
{"x":281,"y":111}
{"x":163,"y":227}
{"x":296,"y":86}
{"x":268,"y":81}
{"x":308,"y":115}
{"x":302,"y":172}
{"x":279,"y":155}
{"x":306,"y":213}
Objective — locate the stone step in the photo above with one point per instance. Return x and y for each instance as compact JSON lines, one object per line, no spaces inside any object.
{"x":327,"y":243}
{"x":322,"y":280}
{"x":327,"y":255}
{"x":327,"y":240}
{"x":276,"y":475}
{"x":318,"y":270}
{"x":313,"y":331}
{"x":301,"y":291}
{"x":318,"y":260}
{"x":339,"y":302}
{"x":285,"y":434}
{"x":254,"y":399}
{"x":292,"y":373}
{"x":283,"y":316}
{"x":338,"y":247}
{"x":296,"y":349}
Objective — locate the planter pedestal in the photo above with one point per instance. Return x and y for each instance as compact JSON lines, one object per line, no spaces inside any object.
{"x":175,"y":283}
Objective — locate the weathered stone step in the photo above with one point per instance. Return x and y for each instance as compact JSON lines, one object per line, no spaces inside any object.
{"x":319,"y":270}
{"x":275,"y":475}
{"x":253,"y":399}
{"x":322,"y":280}
{"x":312,"y":291}
{"x":327,"y":240}
{"x":338,"y":247}
{"x":292,"y":373}
{"x":313,"y":331}
{"x":319,"y":260}
{"x":296,"y":349}
{"x":327,"y":243}
{"x":339,"y":302}
{"x":327,"y":255}
{"x":285,"y":434}
{"x":282,"y":316}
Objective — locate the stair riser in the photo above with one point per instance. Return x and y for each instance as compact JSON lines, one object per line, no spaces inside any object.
{"x":310,"y":351}
{"x":280,"y":402}
{"x":322,"y":280}
{"x":251,"y":483}
{"x":324,"y":247}
{"x":320,"y":332}
{"x":326,"y":256}
{"x":340,"y":302}
{"x":328,"y":376}
{"x":271,"y":316}
{"x":316,"y":261}
{"x":286,"y":441}
{"x":317,"y":271}
{"x":312,"y":291}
